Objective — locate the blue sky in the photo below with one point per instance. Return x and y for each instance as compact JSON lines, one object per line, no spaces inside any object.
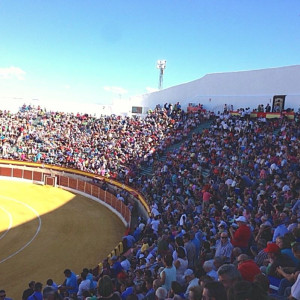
{"x":94,"y":51}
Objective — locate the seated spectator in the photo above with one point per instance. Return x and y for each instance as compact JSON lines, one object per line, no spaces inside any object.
{"x":51,"y":283}
{"x":214,"y":291}
{"x":208,"y":268}
{"x":247,"y":267}
{"x":245,"y":290}
{"x":277,"y":259}
{"x":281,"y":228}
{"x":235,"y":254}
{"x":228,"y":275}
{"x":105,"y":289}
{"x":150,"y":292}
{"x":176,"y":291}
{"x":285,"y":247}
{"x":289,"y":277}
{"x":195,"y":293}
{"x":224,"y":247}
{"x":161,"y":293}
{"x":191,"y":280}
{"x":261,"y":256}
{"x":263,"y":281}
{"x":49,"y":293}
{"x":116,"y":267}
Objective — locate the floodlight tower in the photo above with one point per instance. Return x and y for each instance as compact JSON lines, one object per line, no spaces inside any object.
{"x":161,"y":65}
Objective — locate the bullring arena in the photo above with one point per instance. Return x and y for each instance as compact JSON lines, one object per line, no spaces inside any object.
{"x":52,"y":220}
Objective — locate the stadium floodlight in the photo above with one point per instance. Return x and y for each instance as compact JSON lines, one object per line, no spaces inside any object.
{"x":161,"y":65}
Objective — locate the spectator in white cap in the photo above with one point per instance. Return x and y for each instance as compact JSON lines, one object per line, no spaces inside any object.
{"x":191,"y":280}
{"x":241,"y":237}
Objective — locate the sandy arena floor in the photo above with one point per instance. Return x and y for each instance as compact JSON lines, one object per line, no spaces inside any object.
{"x":44,"y":230}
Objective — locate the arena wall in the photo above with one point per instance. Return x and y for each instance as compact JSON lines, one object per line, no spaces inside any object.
{"x":75,"y":181}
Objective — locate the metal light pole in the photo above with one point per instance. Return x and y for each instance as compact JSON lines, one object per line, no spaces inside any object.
{"x":161,"y":65}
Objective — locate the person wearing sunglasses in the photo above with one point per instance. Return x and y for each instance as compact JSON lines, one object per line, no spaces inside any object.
{"x":224,"y":247}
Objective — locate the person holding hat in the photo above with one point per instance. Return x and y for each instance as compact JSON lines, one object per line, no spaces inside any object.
{"x":241,"y":237}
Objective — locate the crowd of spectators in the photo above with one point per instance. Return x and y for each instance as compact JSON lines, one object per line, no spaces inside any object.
{"x":225,"y":204}
{"x":108,"y":145}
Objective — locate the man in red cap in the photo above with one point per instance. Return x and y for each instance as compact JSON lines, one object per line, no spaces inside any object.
{"x":276,"y":259}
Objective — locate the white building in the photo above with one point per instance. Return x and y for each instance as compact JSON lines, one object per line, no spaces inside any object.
{"x":237,"y":89}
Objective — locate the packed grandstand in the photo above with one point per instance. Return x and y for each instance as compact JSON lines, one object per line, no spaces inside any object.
{"x":225,"y":200}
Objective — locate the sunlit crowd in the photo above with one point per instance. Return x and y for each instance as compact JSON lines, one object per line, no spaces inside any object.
{"x":225,"y":201}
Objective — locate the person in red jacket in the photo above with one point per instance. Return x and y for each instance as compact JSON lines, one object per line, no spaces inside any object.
{"x":241,"y":237}
{"x":247,"y":267}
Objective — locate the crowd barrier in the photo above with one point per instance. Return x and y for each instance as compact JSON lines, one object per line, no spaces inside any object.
{"x":77,"y":181}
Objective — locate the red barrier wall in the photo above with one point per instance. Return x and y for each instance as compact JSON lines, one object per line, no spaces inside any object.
{"x":77,"y":183}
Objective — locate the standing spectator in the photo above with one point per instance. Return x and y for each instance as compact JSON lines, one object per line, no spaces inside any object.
{"x":168,"y":274}
{"x":84,"y":285}
{"x":70,"y":285}
{"x":206,"y":199}
{"x":37,"y":295}
{"x":3,"y":295}
{"x":28,"y":292}
{"x":181,"y":264}
{"x":190,"y":250}
{"x":241,"y":237}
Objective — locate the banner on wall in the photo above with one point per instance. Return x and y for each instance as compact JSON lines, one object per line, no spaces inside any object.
{"x":278,"y":103}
